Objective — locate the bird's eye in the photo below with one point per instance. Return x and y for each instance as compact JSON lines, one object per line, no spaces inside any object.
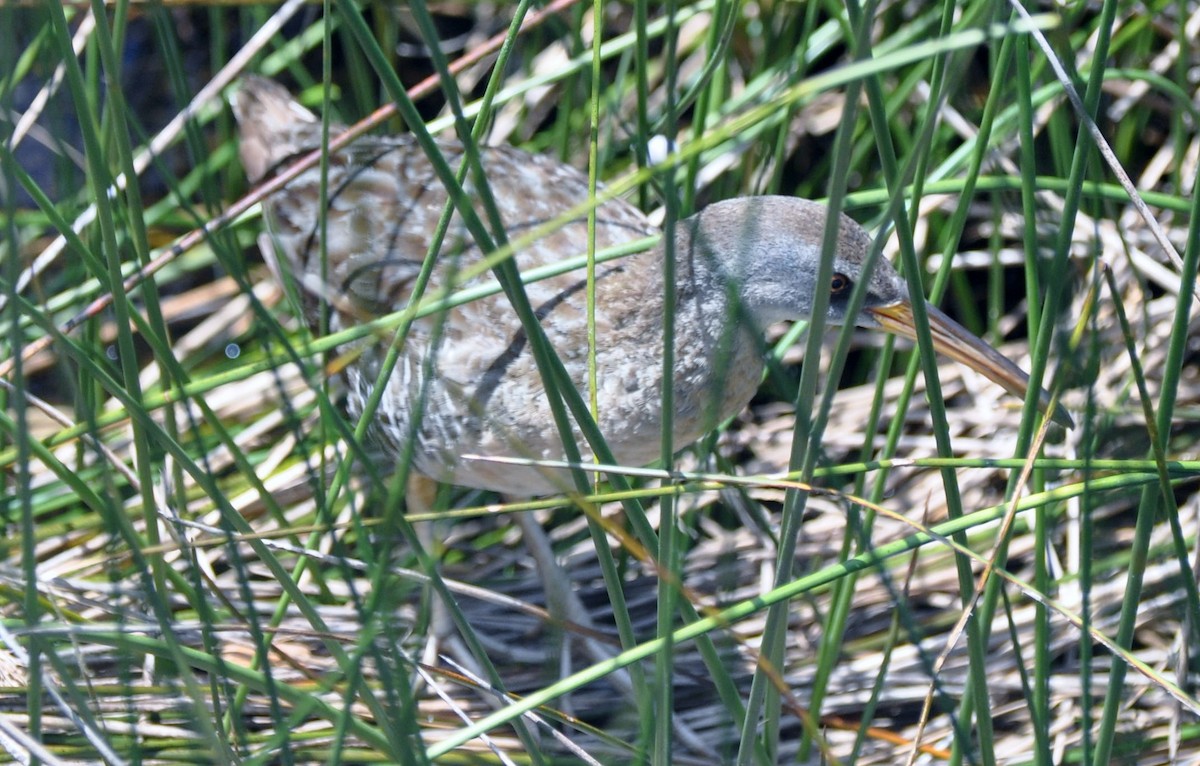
{"x":840,"y":284}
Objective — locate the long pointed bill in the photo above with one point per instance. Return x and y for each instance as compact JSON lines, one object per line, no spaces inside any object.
{"x":955,"y":341}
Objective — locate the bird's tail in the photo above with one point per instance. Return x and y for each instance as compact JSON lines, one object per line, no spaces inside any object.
{"x":272,"y":126}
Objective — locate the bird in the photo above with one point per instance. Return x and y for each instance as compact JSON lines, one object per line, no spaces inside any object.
{"x":739,"y":266}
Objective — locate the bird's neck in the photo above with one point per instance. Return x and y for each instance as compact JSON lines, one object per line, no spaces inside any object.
{"x":725,"y":281}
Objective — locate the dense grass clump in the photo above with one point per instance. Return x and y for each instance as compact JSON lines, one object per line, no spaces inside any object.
{"x":202,"y":561}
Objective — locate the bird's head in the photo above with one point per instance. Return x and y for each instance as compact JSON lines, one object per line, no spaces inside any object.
{"x":770,"y":250}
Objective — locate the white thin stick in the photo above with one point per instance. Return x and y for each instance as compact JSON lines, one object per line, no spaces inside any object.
{"x":167,"y":135}
{"x":1101,"y":144}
